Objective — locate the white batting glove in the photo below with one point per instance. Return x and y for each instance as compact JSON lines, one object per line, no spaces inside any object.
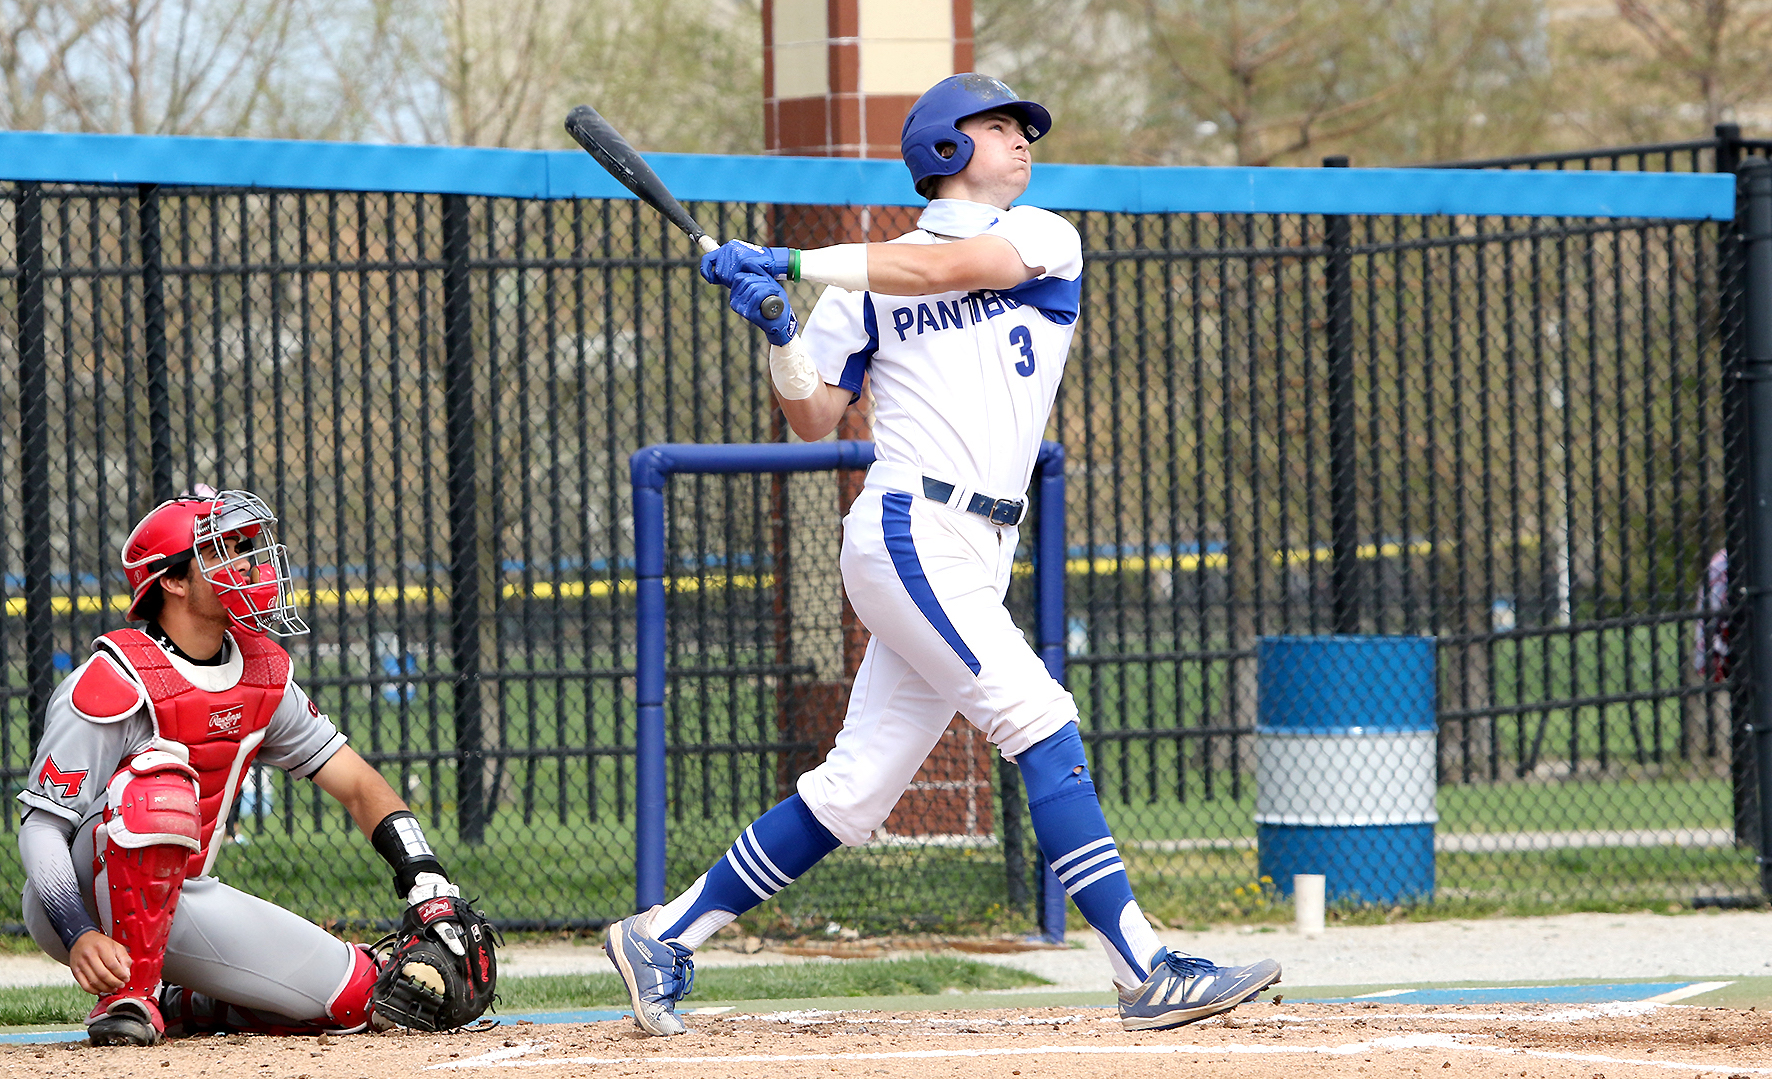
{"x":429,"y":886}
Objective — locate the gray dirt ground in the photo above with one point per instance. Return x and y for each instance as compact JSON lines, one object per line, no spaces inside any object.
{"x":1049,"y":1034}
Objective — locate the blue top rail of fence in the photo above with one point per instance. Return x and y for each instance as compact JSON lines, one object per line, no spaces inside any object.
{"x":561,"y":174}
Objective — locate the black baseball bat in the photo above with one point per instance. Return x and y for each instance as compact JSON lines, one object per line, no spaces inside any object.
{"x":623,"y":162}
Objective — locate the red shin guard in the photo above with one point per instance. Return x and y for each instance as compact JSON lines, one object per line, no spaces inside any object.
{"x":150,"y":832}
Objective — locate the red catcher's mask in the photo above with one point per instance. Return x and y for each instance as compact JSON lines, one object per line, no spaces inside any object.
{"x":231,"y":536}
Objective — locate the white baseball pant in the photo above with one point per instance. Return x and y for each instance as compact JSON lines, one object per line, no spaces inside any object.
{"x":928,"y":582}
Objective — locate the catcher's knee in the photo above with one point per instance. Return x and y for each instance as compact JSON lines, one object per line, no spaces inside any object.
{"x":151,"y":831}
{"x":350,"y":1005}
{"x":153,"y":802}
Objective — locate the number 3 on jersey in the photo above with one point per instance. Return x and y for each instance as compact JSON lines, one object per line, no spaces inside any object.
{"x":1023,"y":340}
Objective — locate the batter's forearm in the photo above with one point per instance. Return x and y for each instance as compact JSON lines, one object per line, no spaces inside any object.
{"x":979,"y":262}
{"x":818,"y":415}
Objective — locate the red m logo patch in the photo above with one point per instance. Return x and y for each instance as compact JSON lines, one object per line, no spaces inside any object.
{"x":69,"y":782}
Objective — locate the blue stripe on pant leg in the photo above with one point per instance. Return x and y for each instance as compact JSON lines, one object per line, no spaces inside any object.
{"x":895,"y":520}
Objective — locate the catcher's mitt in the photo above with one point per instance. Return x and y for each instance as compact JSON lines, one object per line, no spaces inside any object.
{"x":439,"y":971}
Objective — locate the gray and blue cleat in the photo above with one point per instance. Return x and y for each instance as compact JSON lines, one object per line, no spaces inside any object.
{"x":1185,"y":989}
{"x":658,"y":974}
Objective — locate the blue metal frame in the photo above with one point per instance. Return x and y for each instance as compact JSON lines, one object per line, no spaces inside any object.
{"x":570,"y":174}
{"x":650,"y":469}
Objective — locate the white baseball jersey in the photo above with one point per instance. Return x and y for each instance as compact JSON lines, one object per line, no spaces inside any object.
{"x":963,"y":382}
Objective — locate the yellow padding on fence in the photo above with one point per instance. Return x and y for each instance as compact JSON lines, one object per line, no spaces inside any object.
{"x":1190,"y":563}
{"x":1297,"y":556}
{"x":385,"y":595}
{"x":16,"y":606}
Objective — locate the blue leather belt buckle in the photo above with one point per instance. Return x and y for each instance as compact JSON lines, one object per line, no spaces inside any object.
{"x":1003,"y":511}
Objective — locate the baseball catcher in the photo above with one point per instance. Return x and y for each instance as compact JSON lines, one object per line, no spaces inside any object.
{"x":145,"y":749}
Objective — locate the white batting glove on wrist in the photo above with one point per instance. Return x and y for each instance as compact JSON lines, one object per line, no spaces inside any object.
{"x":430,"y":886}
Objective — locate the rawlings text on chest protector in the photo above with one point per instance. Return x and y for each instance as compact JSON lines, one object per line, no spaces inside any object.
{"x":222,"y":730}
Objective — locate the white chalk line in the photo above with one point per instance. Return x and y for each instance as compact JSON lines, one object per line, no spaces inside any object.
{"x":1670,"y":997}
{"x":1616,"y":1009}
{"x":1693,"y":990}
{"x":509,"y":1057}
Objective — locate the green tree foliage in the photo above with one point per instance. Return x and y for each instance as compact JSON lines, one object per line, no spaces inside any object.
{"x":1263,"y":82}
{"x":1131,"y":81}
{"x":682,"y":75}
{"x":1662,"y":69}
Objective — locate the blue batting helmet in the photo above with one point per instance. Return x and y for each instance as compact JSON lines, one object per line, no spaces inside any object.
{"x":932,"y":143}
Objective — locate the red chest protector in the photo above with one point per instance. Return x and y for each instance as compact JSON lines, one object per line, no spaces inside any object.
{"x":222,"y":731}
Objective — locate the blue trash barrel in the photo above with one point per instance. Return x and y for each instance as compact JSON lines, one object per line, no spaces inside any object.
{"x":1344,"y":769}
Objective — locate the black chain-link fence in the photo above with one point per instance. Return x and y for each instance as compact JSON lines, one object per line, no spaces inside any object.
{"x":1516,"y":435}
{"x":1507,"y":433}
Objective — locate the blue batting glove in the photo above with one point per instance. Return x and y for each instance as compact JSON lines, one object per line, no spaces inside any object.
{"x":748,"y":293}
{"x":724,"y":265}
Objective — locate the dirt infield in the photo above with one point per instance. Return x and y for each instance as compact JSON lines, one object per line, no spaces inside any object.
{"x":1367,"y":1039}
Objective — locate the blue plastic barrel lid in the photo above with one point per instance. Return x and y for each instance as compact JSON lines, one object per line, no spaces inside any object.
{"x":1336,"y":683}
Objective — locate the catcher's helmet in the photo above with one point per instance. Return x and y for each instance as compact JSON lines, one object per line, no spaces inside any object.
{"x":932,"y":143}
{"x":252,"y":581}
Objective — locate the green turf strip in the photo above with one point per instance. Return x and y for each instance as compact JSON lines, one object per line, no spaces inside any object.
{"x":41,"y":1005}
{"x":849,"y":978}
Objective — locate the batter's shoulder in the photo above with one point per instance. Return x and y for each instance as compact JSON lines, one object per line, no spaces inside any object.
{"x":1034,"y":218}
{"x":1038,"y":213}
{"x":916,"y":236}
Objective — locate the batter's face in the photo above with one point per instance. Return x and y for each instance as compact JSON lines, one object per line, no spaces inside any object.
{"x":1001,"y":162}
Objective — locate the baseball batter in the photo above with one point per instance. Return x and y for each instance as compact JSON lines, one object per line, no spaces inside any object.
{"x":143,"y":752}
{"x":961,"y":328}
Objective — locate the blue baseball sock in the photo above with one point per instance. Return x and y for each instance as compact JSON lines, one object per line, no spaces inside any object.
{"x":782,"y":844}
{"x":1074,"y":836}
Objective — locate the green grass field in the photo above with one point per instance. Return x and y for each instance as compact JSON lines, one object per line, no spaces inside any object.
{"x":42,"y":1006}
{"x":558,"y":844}
{"x":1607,"y":804}
{"x":887,"y":889}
